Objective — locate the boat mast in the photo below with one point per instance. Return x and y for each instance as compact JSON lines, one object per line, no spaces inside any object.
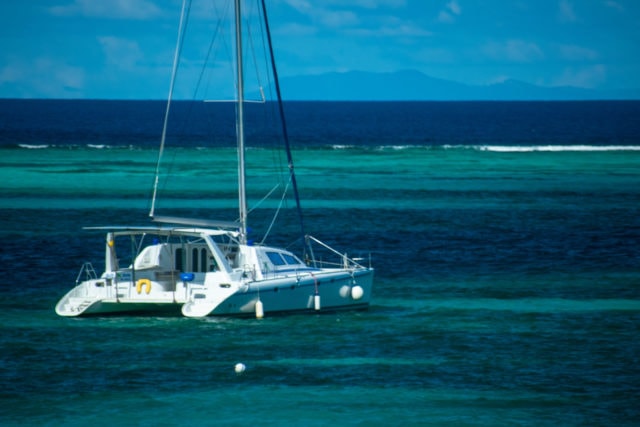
{"x":240,"y":128}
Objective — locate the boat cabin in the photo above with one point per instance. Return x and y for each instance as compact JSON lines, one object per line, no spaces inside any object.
{"x":164,"y":254}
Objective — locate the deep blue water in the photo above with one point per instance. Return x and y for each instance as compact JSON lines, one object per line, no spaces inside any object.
{"x":320,"y":124}
{"x":505,"y":238}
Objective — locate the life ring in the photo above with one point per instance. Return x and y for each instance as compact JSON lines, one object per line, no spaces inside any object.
{"x":143,"y":282}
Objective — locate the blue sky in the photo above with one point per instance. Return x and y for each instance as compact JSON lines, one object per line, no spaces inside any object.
{"x":124,"y":48}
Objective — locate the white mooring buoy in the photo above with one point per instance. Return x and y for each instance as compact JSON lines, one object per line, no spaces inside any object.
{"x":240,"y":368}
{"x":259,"y":310}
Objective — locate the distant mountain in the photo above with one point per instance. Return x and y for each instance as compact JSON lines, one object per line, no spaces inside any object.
{"x":414,"y":85}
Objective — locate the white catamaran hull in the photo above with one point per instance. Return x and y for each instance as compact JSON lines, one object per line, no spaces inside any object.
{"x":322,"y":292}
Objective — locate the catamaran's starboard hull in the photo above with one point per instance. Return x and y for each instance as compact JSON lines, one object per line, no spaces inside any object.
{"x":334,"y":292}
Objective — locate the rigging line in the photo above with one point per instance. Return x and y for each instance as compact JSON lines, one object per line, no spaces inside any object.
{"x":255,"y":61}
{"x":266,"y":60}
{"x":273,"y":220}
{"x":217,"y":34}
{"x":184,"y":14}
{"x":271,"y":110}
{"x":266,"y":197}
{"x":282,"y":117}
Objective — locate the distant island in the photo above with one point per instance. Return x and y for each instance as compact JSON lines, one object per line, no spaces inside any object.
{"x":414,"y":85}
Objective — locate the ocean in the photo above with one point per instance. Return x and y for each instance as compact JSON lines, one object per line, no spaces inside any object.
{"x":505,"y":238}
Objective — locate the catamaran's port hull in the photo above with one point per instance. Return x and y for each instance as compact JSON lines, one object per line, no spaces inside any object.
{"x":139,"y":308}
{"x":173,"y":310}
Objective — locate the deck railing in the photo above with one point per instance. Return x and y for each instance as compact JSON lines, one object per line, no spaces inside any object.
{"x":341,"y":260}
{"x":88,"y":271}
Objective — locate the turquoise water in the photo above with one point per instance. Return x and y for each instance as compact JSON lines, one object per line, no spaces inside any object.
{"x":507,"y":290}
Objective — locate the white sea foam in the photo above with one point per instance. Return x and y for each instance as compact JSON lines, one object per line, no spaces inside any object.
{"x":556,"y":148}
{"x":395,"y":147}
{"x":496,"y":148}
{"x":34,"y":146}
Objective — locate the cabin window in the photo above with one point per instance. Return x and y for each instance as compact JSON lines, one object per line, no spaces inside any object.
{"x":291,"y":260}
{"x":205,"y":263}
{"x":275,"y":258}
{"x":194,"y":259}
{"x":178,"y":262}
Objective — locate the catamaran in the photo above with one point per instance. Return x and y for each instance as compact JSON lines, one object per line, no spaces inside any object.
{"x":210,"y":268}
